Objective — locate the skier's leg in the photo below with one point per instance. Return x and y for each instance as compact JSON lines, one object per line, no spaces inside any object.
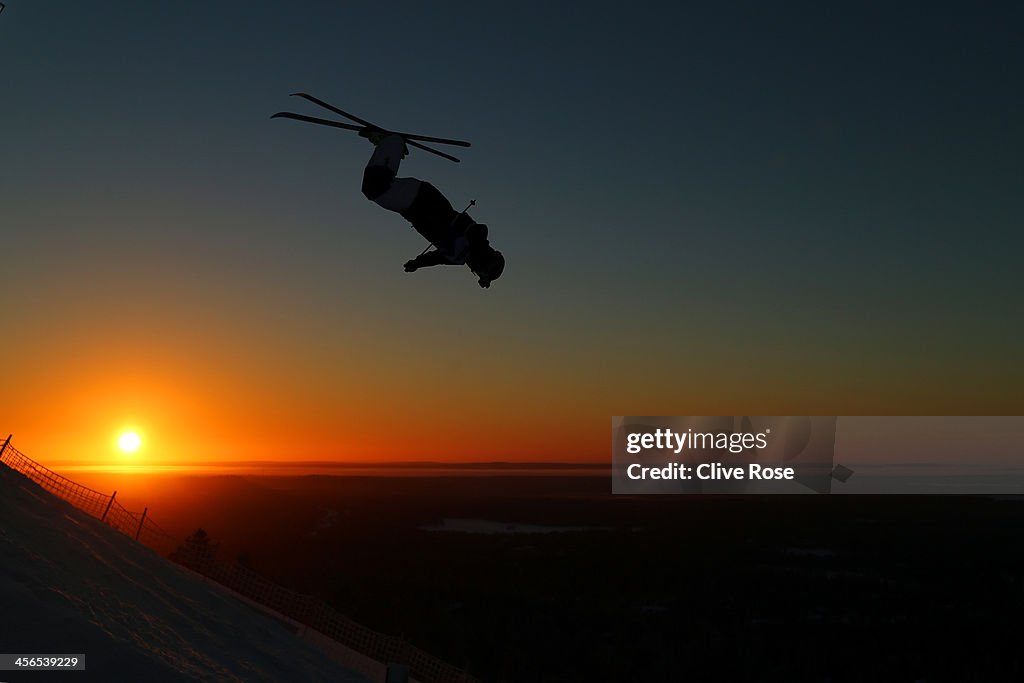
{"x":379,"y":182}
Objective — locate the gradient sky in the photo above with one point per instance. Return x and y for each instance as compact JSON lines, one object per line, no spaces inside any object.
{"x":725,"y":208}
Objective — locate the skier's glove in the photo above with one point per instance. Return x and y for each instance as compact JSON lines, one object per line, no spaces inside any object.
{"x":410,"y":266}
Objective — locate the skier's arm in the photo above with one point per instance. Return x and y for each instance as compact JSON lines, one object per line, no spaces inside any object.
{"x":431,"y":258}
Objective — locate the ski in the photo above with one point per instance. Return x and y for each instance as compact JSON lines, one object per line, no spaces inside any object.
{"x":367,"y":124}
{"x":347,"y":126}
{"x":409,"y":138}
{"x":322,"y":122}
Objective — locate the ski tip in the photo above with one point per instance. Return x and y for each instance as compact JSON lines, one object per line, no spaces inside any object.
{"x":298,"y":94}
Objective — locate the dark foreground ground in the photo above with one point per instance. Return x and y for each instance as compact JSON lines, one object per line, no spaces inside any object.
{"x":653,"y":589}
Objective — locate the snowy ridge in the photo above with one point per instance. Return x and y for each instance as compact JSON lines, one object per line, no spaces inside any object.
{"x":71,"y":584}
{"x":344,"y":640}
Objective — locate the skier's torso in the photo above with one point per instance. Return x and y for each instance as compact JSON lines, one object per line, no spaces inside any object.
{"x":432,"y":215}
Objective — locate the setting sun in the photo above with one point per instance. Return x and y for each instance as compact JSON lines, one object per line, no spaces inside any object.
{"x":129,"y":442}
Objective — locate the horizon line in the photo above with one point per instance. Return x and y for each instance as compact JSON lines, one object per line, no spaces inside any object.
{"x":349,"y":464}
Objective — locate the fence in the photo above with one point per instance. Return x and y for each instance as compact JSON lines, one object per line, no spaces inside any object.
{"x":100,"y":505}
{"x":303,"y":609}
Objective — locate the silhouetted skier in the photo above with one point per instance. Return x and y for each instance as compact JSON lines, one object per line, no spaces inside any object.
{"x":456,"y":237}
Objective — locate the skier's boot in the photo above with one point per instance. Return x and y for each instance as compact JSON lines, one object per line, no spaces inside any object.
{"x":378,"y":136}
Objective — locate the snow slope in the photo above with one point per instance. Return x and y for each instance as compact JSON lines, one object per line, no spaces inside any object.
{"x":69,"y":584}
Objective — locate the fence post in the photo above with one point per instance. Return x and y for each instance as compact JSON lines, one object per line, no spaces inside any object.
{"x":141,"y":522}
{"x":4,"y":447}
{"x":109,"y":503}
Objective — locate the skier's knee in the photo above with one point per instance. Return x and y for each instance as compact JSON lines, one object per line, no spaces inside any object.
{"x":376,"y":181}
